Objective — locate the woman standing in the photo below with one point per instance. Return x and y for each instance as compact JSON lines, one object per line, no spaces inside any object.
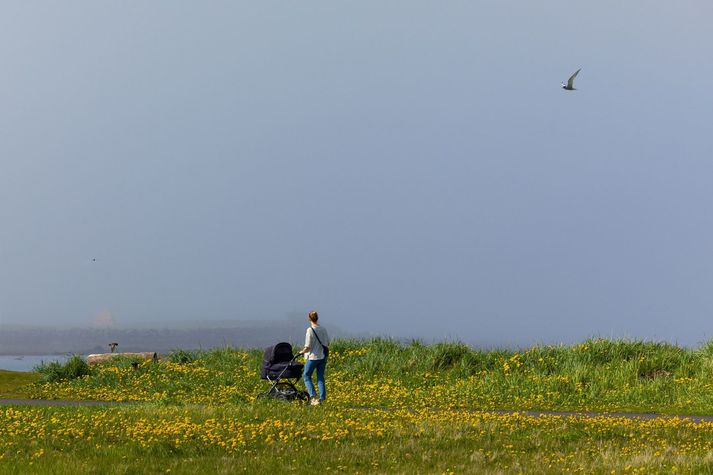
{"x":316,"y":351}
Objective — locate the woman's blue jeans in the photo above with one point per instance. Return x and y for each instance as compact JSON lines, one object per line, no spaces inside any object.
{"x":310,"y":366}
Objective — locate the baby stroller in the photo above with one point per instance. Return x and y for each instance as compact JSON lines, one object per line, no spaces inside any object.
{"x":279,"y":367}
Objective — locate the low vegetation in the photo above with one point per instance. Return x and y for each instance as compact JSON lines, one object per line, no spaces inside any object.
{"x":54,"y":371}
{"x":392,"y":408}
{"x":281,"y":438}
{"x":14,"y":384}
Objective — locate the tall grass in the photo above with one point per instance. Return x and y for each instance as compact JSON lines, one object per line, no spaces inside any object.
{"x":53,"y":371}
{"x":621,"y":360}
{"x":597,"y":374}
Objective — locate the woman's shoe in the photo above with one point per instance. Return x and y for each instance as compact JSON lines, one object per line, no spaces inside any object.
{"x":315,"y":401}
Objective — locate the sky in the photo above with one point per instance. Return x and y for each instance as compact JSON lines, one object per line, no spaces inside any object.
{"x":406,"y":168}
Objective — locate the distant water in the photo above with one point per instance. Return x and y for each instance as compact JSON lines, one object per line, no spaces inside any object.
{"x":26,"y":363}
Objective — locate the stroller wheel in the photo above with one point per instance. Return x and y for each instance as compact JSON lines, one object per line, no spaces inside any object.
{"x":285,"y":391}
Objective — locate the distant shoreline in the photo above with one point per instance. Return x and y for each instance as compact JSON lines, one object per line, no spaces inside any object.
{"x":26,"y":363}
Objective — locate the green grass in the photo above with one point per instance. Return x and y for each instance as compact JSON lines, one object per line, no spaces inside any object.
{"x":53,"y":371}
{"x":276,"y":437}
{"x":14,"y":384}
{"x":392,"y":408}
{"x":596,"y":375}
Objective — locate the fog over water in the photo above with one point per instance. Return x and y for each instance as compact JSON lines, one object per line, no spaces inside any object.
{"x":27,"y":363}
{"x":406,"y":168}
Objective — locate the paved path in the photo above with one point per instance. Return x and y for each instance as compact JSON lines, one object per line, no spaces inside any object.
{"x":57,"y":402}
{"x":628,"y":415}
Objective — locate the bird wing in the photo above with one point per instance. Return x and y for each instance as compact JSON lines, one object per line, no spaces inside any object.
{"x":570,"y":82}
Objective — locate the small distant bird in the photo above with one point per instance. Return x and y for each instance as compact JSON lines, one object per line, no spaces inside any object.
{"x":113,"y":346}
{"x":94,"y":260}
{"x":570,"y":82}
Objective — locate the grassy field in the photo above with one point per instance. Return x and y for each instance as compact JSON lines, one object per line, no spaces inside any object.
{"x":596,"y":375}
{"x":272,"y":438}
{"x":391,"y":408}
{"x":15,"y":384}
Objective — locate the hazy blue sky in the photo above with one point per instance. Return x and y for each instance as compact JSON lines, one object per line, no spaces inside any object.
{"x":404,"y":167}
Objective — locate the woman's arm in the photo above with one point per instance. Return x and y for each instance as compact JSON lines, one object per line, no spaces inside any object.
{"x":308,"y":343}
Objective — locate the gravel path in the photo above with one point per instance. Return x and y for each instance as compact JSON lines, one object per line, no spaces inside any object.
{"x":57,"y":402}
{"x":628,"y":415}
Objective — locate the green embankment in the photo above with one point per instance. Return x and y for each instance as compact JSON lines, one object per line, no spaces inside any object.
{"x":596,"y":375}
{"x":391,"y":408}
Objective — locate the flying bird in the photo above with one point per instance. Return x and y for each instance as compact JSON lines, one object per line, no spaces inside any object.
{"x":570,"y":82}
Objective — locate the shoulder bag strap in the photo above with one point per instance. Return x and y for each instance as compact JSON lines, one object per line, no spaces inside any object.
{"x":315,"y":334}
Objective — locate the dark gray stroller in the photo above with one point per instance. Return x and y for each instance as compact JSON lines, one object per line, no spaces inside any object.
{"x":281,"y":370}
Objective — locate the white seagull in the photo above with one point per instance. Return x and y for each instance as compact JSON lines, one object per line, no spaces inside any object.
{"x":570,"y":82}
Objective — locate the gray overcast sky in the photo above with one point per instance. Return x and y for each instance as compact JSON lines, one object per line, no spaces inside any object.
{"x":406,"y":167}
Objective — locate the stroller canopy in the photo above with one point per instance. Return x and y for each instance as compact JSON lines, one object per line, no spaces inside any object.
{"x":277,"y":358}
{"x":279,"y":353}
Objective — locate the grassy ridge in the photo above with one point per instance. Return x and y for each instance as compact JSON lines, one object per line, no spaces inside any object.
{"x":594,"y":375}
{"x":392,"y":408}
